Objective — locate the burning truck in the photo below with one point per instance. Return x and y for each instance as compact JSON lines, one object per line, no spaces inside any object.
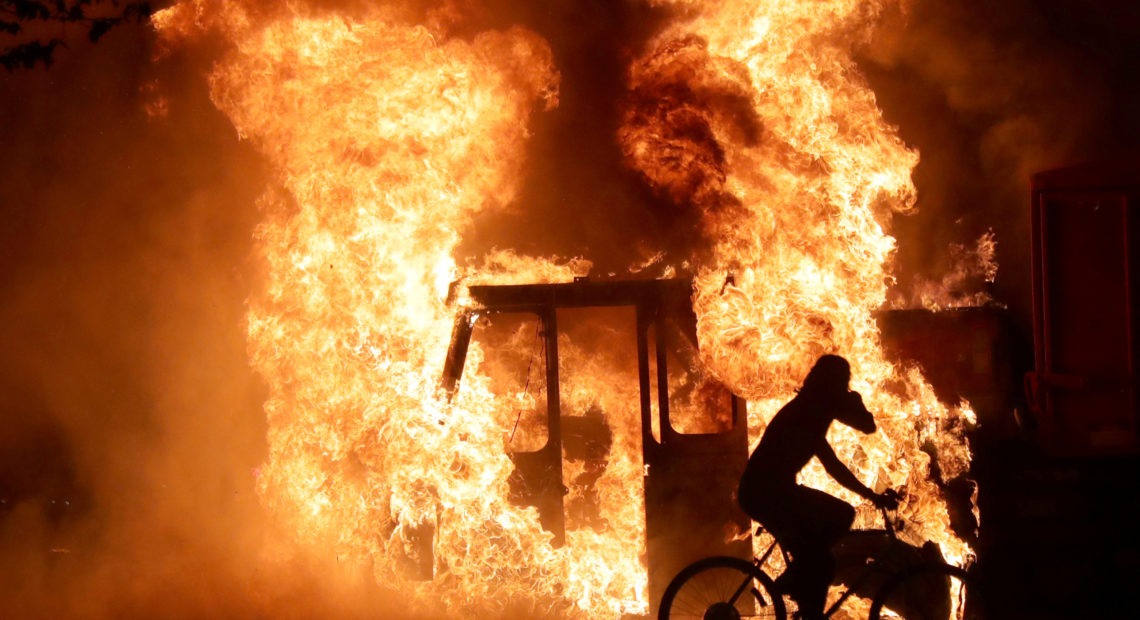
{"x":577,"y":360}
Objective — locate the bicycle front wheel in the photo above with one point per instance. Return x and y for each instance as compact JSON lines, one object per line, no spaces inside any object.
{"x":928,"y":592}
{"x":721,"y":588}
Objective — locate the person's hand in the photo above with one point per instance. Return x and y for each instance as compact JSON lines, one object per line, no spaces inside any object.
{"x":852,"y":412}
{"x":888,"y":500}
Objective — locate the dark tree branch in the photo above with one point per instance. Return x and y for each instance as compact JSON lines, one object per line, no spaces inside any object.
{"x":26,"y":55}
{"x":98,"y":16}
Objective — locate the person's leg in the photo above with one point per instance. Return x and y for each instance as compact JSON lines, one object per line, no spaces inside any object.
{"x":821,"y":520}
{"x":779,"y":512}
{"x":828,"y":518}
{"x":815,"y":569}
{"x":808,"y":577}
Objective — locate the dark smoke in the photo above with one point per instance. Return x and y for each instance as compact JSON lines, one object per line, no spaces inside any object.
{"x":130,"y":424}
{"x":579,"y":198}
{"x":990,"y":93}
{"x":667,"y":127}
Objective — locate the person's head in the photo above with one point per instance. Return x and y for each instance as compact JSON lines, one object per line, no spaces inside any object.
{"x":831,"y":374}
{"x":828,"y":382}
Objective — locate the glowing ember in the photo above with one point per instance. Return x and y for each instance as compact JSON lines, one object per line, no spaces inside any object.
{"x":388,"y":137}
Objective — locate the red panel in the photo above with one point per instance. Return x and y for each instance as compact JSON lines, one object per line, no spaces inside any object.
{"x":965,"y":353}
{"x":1084,"y":269}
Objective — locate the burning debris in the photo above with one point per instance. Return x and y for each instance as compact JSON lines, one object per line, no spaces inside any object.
{"x":964,"y":285}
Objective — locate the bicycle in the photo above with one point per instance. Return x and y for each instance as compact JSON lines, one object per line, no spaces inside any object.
{"x":904,"y":584}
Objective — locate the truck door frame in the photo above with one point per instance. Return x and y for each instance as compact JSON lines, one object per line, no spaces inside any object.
{"x":690,"y":479}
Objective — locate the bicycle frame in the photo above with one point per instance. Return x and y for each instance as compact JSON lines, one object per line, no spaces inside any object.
{"x":880,"y":563}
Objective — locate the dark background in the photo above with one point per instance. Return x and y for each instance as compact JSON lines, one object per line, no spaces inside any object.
{"x":130,"y":424}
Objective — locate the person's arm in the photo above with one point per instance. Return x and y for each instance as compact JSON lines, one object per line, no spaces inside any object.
{"x":836,"y":469}
{"x":854,"y":413}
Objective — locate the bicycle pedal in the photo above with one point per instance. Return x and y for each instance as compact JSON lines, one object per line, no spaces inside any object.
{"x":781,"y":583}
{"x":786,"y":582}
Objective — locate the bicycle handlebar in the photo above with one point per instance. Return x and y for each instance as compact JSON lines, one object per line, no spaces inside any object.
{"x":884,"y":510}
{"x":888,"y":524}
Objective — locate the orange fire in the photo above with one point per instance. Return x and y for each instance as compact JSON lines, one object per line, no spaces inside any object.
{"x":388,"y":138}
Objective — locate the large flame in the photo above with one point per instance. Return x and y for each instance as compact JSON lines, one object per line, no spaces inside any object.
{"x":792,"y":194}
{"x":388,"y":137}
{"x":755,"y":115}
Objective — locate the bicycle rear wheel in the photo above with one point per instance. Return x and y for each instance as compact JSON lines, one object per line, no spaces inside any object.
{"x":928,"y":592}
{"x":721,"y":588}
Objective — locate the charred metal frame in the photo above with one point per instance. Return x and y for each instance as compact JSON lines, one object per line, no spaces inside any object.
{"x":690,"y":479}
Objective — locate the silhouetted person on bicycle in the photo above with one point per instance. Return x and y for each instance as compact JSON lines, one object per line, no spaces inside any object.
{"x":808,"y":522}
